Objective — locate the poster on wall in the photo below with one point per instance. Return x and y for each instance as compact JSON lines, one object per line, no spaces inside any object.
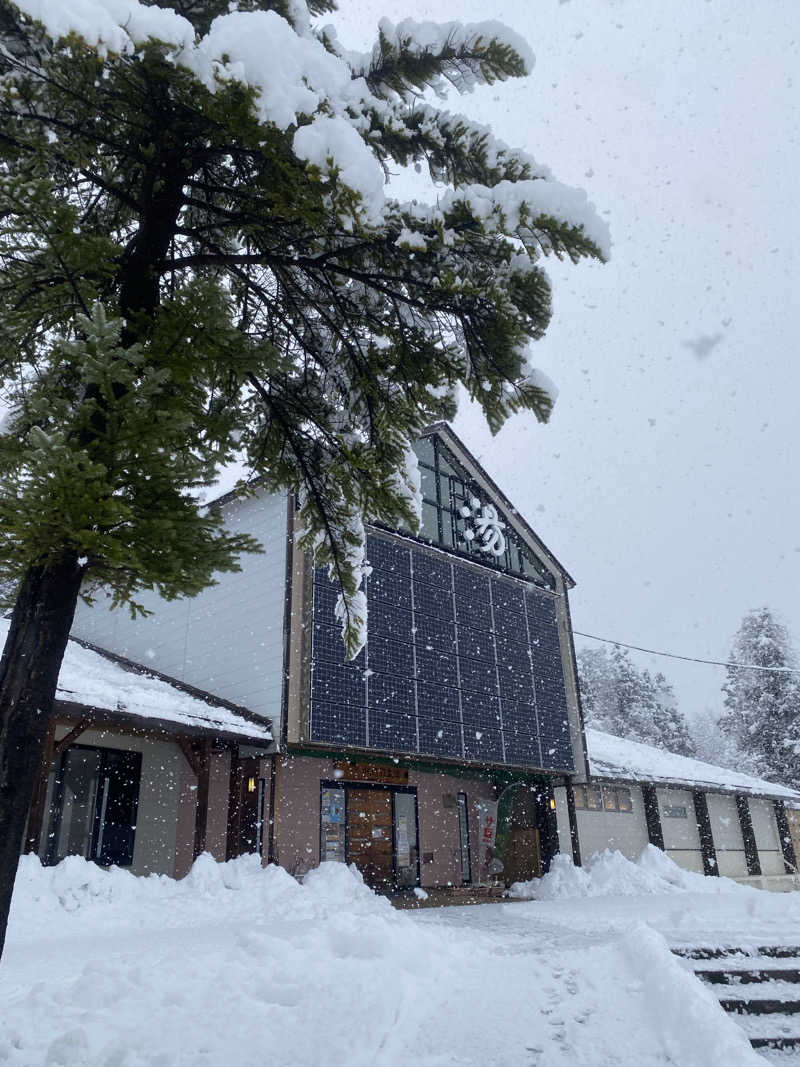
{"x":487,"y":836}
{"x":333,"y":825}
{"x":403,"y":846}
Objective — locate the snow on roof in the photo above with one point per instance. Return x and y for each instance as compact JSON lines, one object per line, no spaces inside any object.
{"x":97,"y":681}
{"x":614,"y":757}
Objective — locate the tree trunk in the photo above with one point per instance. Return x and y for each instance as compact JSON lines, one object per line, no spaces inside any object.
{"x":29,"y":670}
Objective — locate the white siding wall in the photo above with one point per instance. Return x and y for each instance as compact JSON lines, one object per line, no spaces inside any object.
{"x":227,"y":640}
{"x":681,"y":836}
{"x":727,"y":834}
{"x":623,"y":831}
{"x":562,"y":820}
{"x":765,"y":828}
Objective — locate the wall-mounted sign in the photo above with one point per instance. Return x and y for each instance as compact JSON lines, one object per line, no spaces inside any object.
{"x":487,"y":832}
{"x":370,"y":772}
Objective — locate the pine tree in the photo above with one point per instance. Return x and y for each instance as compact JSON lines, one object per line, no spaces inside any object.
{"x":626,"y":702}
{"x":762,"y":718}
{"x":199,"y":259}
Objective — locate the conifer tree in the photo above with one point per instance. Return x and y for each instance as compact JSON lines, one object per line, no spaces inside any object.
{"x":762,"y":717}
{"x":624,"y":701}
{"x":200,"y":259}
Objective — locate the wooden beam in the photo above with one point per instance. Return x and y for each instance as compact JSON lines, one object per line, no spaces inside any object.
{"x":785,"y":835}
{"x":60,"y":747}
{"x":749,"y":838}
{"x":190,"y":755}
{"x":573,"y":825}
{"x":652,"y":816}
{"x":36,"y":812}
{"x":203,"y":750}
{"x":709,"y":852}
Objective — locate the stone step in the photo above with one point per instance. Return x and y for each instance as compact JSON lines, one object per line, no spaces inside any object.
{"x":742,"y":976}
{"x":771,"y":1031}
{"x":769,"y":951}
{"x":760,"y":1006}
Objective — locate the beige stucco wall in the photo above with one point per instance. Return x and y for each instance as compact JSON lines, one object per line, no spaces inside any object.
{"x":297,"y":827}
{"x":159,"y":796}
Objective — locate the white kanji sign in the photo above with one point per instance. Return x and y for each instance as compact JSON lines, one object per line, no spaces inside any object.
{"x":487,"y":527}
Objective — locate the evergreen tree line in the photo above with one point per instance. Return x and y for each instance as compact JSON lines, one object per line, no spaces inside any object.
{"x":758,"y":732}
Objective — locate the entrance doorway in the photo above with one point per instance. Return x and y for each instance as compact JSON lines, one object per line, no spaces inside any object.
{"x":246,"y":808}
{"x":374,"y":827}
{"x":369,"y":835}
{"x":528,"y":834}
{"x":93,"y":811}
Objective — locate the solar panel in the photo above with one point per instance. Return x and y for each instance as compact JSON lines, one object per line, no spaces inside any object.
{"x":457,"y":664}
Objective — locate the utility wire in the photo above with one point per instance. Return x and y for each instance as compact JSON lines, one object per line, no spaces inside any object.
{"x":691,"y":659}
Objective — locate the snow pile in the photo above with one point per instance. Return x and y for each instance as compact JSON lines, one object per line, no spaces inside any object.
{"x":236,"y":963}
{"x":610,"y":874}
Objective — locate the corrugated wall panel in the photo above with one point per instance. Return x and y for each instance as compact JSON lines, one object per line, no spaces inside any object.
{"x":228,"y":639}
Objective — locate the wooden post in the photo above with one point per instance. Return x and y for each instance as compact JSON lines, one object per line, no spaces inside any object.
{"x":198,"y":756}
{"x":785,"y":835}
{"x":37,"y":813}
{"x":573,"y":825}
{"x":652,"y":816}
{"x":203,"y":749}
{"x":749,"y":838}
{"x":707,"y":848}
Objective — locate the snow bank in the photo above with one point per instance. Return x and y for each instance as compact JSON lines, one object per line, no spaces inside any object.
{"x":610,"y":874}
{"x":241,"y":964}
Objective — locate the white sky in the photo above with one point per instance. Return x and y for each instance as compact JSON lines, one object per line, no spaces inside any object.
{"x":666,"y":480}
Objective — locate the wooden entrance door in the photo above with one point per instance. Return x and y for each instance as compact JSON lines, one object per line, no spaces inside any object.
{"x":246,"y":808}
{"x":369,"y":835}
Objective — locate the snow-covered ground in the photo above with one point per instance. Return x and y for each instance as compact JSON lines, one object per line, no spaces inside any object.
{"x":239,"y":965}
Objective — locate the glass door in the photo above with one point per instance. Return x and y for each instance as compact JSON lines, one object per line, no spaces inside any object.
{"x":406,"y":866}
{"x":95,"y":800}
{"x":463,"y":832}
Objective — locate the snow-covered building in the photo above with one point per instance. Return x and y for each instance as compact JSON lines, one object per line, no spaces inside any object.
{"x":708,"y":819}
{"x":451,"y":749}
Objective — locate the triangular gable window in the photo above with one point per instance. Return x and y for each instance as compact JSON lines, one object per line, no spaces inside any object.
{"x":458,"y":515}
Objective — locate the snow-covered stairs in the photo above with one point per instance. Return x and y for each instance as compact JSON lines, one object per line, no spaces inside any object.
{"x":760,"y":986}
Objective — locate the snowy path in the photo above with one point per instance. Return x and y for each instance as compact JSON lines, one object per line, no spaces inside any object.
{"x":235,"y":965}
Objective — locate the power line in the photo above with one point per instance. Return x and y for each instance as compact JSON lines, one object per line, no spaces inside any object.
{"x":691,"y":659}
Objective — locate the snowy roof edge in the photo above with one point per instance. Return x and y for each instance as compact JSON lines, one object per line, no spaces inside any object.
{"x":738,"y":783}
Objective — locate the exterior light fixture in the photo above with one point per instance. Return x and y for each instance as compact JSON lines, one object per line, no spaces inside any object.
{"x":251,"y":785}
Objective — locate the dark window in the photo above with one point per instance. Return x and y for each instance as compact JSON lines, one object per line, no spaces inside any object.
{"x":95,"y":799}
{"x":451,"y":500}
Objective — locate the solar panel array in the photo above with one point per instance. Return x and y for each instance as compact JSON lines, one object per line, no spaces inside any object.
{"x":459,"y":663}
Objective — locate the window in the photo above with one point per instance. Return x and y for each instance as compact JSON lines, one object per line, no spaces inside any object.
{"x":447,"y":494}
{"x":93,"y":811}
{"x":609,"y":798}
{"x":674,"y":811}
{"x":594,"y":798}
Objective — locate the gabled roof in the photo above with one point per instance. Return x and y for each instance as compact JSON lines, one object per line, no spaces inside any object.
{"x":616,"y":758}
{"x":114,"y":689}
{"x":456,"y":445}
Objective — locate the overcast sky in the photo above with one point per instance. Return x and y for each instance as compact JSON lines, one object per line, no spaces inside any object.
{"x":666,"y":481}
